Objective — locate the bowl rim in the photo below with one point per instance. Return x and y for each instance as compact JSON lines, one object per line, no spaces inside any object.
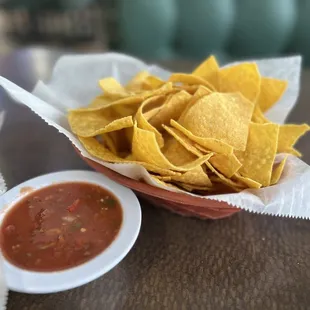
{"x":25,"y":281}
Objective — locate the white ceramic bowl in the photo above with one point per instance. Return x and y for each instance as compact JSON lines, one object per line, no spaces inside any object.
{"x":49,"y":282}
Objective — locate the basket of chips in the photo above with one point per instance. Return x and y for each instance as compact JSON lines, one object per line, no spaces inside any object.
{"x":205,"y":144}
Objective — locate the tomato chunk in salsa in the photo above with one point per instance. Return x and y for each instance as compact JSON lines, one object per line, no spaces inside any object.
{"x":60,"y":226}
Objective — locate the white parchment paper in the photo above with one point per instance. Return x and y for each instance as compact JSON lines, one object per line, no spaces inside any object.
{"x":3,"y":287}
{"x":74,"y":83}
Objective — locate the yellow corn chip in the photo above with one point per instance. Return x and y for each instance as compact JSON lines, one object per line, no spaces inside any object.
{"x":243,"y":78}
{"x":196,"y":176}
{"x":277,"y":171}
{"x":257,"y":160}
{"x":172,"y":109}
{"x":142,"y":121}
{"x":271,"y":91}
{"x":146,"y":149}
{"x":221,"y":178}
{"x":289,"y":135}
{"x":258,"y":116}
{"x":93,"y":124}
{"x":153,"y":82}
{"x":163,"y":183}
{"x":190,"y":79}
{"x":208,"y":70}
{"x":99,"y":101}
{"x":164,"y":178}
{"x":104,"y":103}
{"x":113,"y":89}
{"x":183,"y":140}
{"x":220,"y":116}
{"x":136,"y":83}
{"x":211,"y":144}
{"x":201,"y":92}
{"x":108,"y":141}
{"x":228,"y":165}
{"x":247,"y":181}
{"x":191,"y":89}
{"x":120,"y":141}
{"x":131,"y":100}
{"x":176,"y":153}
{"x":201,"y":148}
{"x":151,"y":113}
{"x":294,"y":152}
{"x":96,"y":149}
{"x":191,"y":188}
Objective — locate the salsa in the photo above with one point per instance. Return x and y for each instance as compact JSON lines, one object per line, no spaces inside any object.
{"x":60,"y":226}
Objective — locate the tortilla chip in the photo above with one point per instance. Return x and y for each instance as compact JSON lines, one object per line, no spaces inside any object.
{"x":271,"y":91}
{"x":113,"y":89}
{"x":289,"y":135}
{"x":247,"y":181}
{"x":201,"y":92}
{"x":120,"y":141}
{"x":99,"y":101}
{"x":208,"y":70}
{"x":109,"y":143}
{"x":294,"y":152}
{"x":93,"y":123}
{"x":196,"y":176}
{"x":151,"y":113}
{"x":277,"y":171}
{"x":258,"y":116}
{"x":142,"y":121}
{"x":153,"y":82}
{"x":99,"y":151}
{"x":146,"y":149}
{"x":243,"y":78}
{"x":176,"y":153}
{"x":228,"y":165}
{"x":190,"y":79}
{"x":191,"y":89}
{"x":213,"y":145}
{"x":201,"y":148}
{"x":172,"y":109}
{"x":137,"y":82}
{"x":183,"y":140}
{"x":162,"y":183}
{"x":104,"y":103}
{"x":220,"y":116}
{"x":192,"y":188}
{"x":222,"y":179}
{"x":257,"y":160}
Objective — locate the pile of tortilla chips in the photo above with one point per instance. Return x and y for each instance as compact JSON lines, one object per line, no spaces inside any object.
{"x":203,"y":132}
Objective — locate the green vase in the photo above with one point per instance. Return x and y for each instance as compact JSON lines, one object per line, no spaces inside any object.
{"x":301,"y":36}
{"x":204,"y":26}
{"x":262,"y":27}
{"x":147,"y":27}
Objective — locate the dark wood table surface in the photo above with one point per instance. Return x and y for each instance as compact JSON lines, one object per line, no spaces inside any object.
{"x":247,"y":261}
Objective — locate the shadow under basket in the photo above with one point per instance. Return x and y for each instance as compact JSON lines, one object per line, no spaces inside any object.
{"x":179,"y":203}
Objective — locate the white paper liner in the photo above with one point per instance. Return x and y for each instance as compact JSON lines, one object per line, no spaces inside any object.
{"x":3,"y":287}
{"x":74,"y":84}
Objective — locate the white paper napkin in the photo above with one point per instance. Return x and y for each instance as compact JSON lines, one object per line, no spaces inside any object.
{"x":74,"y":84}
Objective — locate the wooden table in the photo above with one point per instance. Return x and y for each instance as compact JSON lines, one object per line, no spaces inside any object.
{"x":247,"y":261}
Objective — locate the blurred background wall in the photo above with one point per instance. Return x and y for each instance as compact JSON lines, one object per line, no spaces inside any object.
{"x":161,"y":29}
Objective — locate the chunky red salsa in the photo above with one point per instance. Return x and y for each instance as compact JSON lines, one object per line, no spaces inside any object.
{"x":60,"y":226}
